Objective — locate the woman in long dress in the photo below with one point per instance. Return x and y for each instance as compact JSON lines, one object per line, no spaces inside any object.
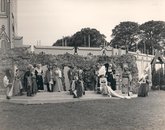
{"x":57,"y":79}
{"x":17,"y":90}
{"x":126,"y":80}
{"x":8,"y":83}
{"x":101,"y":73}
{"x":39,"y":73}
{"x":111,"y":77}
{"x":34,"y":82}
{"x":144,"y":81}
{"x":107,"y":90}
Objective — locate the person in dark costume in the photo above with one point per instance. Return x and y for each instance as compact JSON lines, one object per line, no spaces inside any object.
{"x":49,"y":79}
{"x":93,"y":78}
{"x":72,"y":72}
{"x":77,"y":87}
{"x":38,"y":73}
{"x":28,"y":80}
{"x":34,"y":82}
{"x":110,"y":74}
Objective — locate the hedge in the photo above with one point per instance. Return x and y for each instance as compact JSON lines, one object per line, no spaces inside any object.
{"x":21,"y":57}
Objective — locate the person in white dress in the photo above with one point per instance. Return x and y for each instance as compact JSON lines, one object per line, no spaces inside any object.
{"x":107,"y":90}
{"x":57,"y":78}
{"x":8,"y":83}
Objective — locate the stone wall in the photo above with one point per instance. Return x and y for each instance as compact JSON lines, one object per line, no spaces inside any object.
{"x":83,"y":51}
{"x":53,"y":50}
{"x":142,"y":59}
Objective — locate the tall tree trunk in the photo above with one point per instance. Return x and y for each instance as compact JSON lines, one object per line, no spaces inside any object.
{"x":145,"y":48}
{"x":89,"y":44}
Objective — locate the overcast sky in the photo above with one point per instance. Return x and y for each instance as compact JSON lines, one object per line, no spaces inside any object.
{"x":49,"y":20}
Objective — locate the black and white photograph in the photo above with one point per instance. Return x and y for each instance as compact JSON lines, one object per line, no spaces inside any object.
{"x":82,"y":64}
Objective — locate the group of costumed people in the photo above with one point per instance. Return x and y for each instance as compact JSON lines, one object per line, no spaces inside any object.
{"x":107,"y":82}
{"x":33,"y":81}
{"x":103,"y":81}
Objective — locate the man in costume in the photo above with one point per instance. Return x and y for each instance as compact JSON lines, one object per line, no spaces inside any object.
{"x":126,"y":80}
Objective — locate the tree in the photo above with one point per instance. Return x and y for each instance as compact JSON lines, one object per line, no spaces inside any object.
{"x":87,"y":37}
{"x":124,"y":35}
{"x":65,"y":41}
{"x":152,"y":35}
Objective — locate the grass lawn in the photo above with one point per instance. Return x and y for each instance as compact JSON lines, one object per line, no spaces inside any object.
{"x":134,"y":114}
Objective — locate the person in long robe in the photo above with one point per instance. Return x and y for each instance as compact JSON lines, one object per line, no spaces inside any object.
{"x":49,"y":80}
{"x":8,"y":83}
{"x":71,"y":74}
{"x":126,"y":80}
{"x":57,"y":78}
{"x":28,"y":80}
{"x":17,"y":90}
{"x":34,"y":82}
{"x":70,"y":77}
{"x":144,"y":83}
{"x":66,"y":78}
{"x":78,"y":87}
{"x":101,"y":73}
{"x":39,"y":73}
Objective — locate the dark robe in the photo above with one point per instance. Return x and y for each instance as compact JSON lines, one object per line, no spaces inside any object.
{"x":47,"y":80}
{"x":39,"y":79}
{"x":28,"y":83}
{"x":78,"y":88}
{"x":111,"y":80}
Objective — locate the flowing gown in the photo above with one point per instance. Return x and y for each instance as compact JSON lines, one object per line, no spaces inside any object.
{"x":17,"y":85}
{"x":39,"y":78}
{"x":58,"y":82}
{"x":8,"y":86}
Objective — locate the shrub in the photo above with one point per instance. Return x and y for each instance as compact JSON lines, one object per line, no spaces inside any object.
{"x":21,"y":57}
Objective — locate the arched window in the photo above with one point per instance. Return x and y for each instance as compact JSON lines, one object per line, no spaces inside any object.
{"x":3,"y":5}
{"x":4,"y":45}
